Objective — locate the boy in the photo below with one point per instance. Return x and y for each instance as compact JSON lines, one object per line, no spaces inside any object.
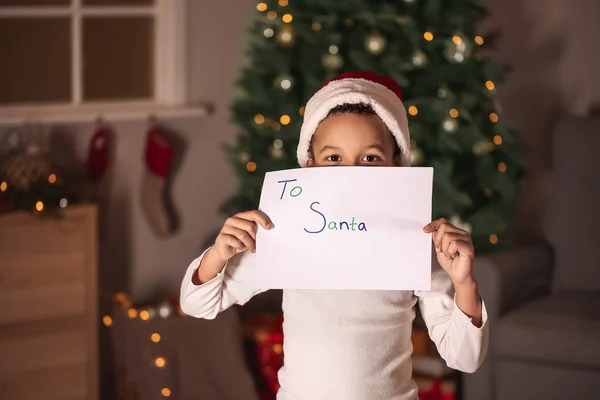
{"x":351,"y":345}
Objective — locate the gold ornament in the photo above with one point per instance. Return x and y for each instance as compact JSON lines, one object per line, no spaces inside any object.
{"x":285,"y":35}
{"x":332,"y":61}
{"x":284,"y":82}
{"x":416,"y":156}
{"x":375,"y":43}
{"x":419,"y":59}
{"x":450,"y":125}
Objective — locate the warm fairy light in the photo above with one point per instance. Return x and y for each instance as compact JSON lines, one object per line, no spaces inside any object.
{"x":166,"y":392}
{"x":160,"y":362}
{"x":144,"y":315}
{"x":453,"y":113}
{"x":301,"y":111}
{"x":132,"y":313}
{"x":277,"y":348}
{"x":412,"y":110}
{"x":479,"y":40}
{"x":490,"y":85}
{"x":497,"y":140}
{"x":52,"y":178}
{"x":283,"y":3}
{"x":285,"y":119}
{"x":4,"y":185}
{"x":456,"y":39}
{"x":39,"y":206}
{"x":259,"y":119}
{"x":251,"y":166}
{"x":261,"y":7}
{"x":316,"y":26}
{"x":494,"y":117}
{"x":107,"y":320}
{"x":271,"y":15}
{"x":487,"y":192}
{"x":493,"y":238}
{"x":155,"y":337}
{"x":428,"y":36}
{"x":276,"y":126}
{"x":287,"y":18}
{"x":502,"y":167}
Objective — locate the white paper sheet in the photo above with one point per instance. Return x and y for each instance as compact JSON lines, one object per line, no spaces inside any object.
{"x":376,"y":240}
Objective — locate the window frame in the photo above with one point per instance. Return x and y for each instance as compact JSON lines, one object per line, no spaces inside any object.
{"x":170,"y":60}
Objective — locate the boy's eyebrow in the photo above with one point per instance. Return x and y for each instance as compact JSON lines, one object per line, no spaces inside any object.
{"x":328,"y":148}
{"x":376,"y":147}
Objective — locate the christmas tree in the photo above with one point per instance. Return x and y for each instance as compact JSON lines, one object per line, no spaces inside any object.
{"x":432,"y":49}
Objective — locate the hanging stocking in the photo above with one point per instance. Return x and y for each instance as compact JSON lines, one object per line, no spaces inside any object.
{"x":98,"y":154}
{"x":158,"y":159}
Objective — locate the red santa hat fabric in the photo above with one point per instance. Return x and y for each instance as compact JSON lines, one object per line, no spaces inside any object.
{"x":382,"y":93}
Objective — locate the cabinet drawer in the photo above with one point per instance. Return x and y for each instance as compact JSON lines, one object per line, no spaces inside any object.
{"x":62,"y":383}
{"x":42,"y":286}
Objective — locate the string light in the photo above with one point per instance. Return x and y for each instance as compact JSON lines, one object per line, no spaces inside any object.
{"x":494,"y":117}
{"x":490,"y":85}
{"x":107,"y":320}
{"x":155,"y":337}
{"x":479,"y":40}
{"x":144,"y":315}
{"x":166,"y":392}
{"x":457,"y":40}
{"x":4,"y":185}
{"x":268,"y":32}
{"x":251,"y":166}
{"x":259,"y":119}
{"x":283,"y":3}
{"x":497,"y":140}
{"x":487,"y":192}
{"x":502,"y":167}
{"x":301,"y":111}
{"x":261,"y":7}
{"x":493,"y":238}
{"x":39,"y":206}
{"x":428,"y":36}
{"x":52,"y":178}
{"x":276,"y":126}
{"x":160,"y":362}
{"x":316,"y":26}
{"x":453,"y":113}
{"x":285,"y":119}
{"x":412,"y":110}
{"x":333,"y":49}
{"x":271,"y":15}
{"x":132,"y":313}
{"x":287,"y":18}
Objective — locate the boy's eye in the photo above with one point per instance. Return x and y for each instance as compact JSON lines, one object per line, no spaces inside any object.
{"x":371,"y":158}
{"x":333,"y":158}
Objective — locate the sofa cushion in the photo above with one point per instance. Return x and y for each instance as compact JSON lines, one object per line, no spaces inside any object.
{"x":572,"y":218}
{"x":562,"y":328}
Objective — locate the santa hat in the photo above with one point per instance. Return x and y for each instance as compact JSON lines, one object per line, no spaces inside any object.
{"x":383,"y":94}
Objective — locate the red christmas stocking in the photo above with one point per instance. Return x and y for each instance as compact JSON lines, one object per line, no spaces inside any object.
{"x":98,"y":153}
{"x":155,"y":204}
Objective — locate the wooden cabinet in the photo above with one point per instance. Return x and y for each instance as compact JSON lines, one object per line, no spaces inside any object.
{"x":48,"y":306}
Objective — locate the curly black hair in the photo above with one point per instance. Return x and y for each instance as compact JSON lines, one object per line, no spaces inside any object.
{"x":349,"y":108}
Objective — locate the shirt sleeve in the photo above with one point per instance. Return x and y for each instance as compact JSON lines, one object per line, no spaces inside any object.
{"x":460,"y":343}
{"x":235,"y":284}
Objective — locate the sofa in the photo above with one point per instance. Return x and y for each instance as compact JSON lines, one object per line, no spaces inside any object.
{"x":543,"y":300}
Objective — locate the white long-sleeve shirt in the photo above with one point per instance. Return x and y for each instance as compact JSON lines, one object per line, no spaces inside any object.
{"x":350,"y":345}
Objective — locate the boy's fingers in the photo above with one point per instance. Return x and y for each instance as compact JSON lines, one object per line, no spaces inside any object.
{"x":230,"y":241}
{"x":243,"y":224}
{"x":241,"y":235}
{"x":257,"y":216}
{"x":434,"y":225}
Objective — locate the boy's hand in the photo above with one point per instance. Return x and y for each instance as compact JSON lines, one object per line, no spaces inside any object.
{"x":239,"y":234}
{"x":454,"y":249}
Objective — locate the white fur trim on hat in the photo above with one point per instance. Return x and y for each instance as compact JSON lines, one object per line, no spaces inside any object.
{"x":384,"y":102}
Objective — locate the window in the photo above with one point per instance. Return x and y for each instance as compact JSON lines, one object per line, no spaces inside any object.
{"x":82,"y":52}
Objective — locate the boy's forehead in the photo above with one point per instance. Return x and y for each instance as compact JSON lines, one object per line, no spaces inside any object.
{"x":353,"y":128}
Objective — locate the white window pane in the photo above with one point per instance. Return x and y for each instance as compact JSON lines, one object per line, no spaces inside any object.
{"x":36,"y":64}
{"x":118,"y":58}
